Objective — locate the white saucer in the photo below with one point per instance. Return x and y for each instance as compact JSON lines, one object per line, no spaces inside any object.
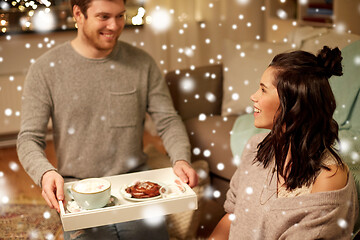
{"x":73,"y":207}
{"x":172,"y":190}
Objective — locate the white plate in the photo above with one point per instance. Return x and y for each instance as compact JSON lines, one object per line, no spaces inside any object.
{"x":128,"y":196}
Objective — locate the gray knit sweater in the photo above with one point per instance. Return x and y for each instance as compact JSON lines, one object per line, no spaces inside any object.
{"x":260,"y":214}
{"x":97,"y":108}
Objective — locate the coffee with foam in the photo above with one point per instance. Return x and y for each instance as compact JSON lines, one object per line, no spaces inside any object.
{"x":91,"y":186}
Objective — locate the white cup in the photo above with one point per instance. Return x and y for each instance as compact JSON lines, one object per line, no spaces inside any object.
{"x":91,"y":193}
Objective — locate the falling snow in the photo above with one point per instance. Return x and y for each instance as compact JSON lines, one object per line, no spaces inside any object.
{"x":71,"y":131}
{"x":207,"y":153}
{"x":210,"y":97}
{"x":8,"y":112}
{"x":202,"y":117}
{"x":217,"y":194}
{"x":187,"y":84}
{"x":14,"y":166}
{"x":236,"y":160}
{"x":249,"y":190}
{"x":202,"y":174}
{"x":220,"y":166}
{"x":196,"y":151}
{"x":342,"y":223}
{"x":185,"y":54}
{"x":47,"y":215}
{"x":232,"y":217}
{"x":49,"y":236}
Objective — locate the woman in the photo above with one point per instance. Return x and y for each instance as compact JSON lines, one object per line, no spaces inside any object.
{"x":291,"y":184}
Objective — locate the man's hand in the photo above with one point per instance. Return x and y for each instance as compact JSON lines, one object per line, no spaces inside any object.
{"x":52,"y":189}
{"x":186,"y":173}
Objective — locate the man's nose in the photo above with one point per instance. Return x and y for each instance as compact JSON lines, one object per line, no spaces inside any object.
{"x":113,"y":24}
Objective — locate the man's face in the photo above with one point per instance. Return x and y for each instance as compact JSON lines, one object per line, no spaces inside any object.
{"x":103,"y":25}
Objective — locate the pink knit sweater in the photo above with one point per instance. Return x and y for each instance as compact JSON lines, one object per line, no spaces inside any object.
{"x":260,"y":214}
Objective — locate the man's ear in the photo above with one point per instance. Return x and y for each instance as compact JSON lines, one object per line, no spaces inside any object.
{"x":77,"y":13}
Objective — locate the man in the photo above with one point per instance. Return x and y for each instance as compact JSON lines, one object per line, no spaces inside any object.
{"x":96,"y":90}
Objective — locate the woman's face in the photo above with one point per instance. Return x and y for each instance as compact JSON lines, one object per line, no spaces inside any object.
{"x":266,"y":100}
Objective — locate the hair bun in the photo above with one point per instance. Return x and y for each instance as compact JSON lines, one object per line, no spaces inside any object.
{"x":330,"y":60}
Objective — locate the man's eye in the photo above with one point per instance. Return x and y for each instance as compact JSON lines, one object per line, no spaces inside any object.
{"x":103,"y":17}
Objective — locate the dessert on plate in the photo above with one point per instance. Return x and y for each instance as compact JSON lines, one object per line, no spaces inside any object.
{"x":144,"y":189}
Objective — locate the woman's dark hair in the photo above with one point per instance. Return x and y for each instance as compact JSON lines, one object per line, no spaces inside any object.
{"x":304,"y":121}
{"x":83,"y":5}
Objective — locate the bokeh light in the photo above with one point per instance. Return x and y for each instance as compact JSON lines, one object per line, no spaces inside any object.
{"x":187,"y":85}
{"x":281,"y":14}
{"x":160,"y":20}
{"x":5,"y":199}
{"x":243,"y":2}
{"x":44,"y":20}
{"x":210,"y":97}
{"x":357,"y":60}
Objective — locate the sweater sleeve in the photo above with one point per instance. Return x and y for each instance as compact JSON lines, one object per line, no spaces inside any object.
{"x":35,"y":114}
{"x":246,"y":160}
{"x":321,"y":222}
{"x":229,"y":204}
{"x":168,"y":123}
{"x":332,"y":218}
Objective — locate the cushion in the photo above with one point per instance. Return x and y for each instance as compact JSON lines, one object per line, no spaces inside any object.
{"x":330,"y":38}
{"x":346,"y":88}
{"x":300,"y":35}
{"x":242,"y":73}
{"x":242,"y":131}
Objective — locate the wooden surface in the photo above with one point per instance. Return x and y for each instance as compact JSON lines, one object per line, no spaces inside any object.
{"x":15,"y":183}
